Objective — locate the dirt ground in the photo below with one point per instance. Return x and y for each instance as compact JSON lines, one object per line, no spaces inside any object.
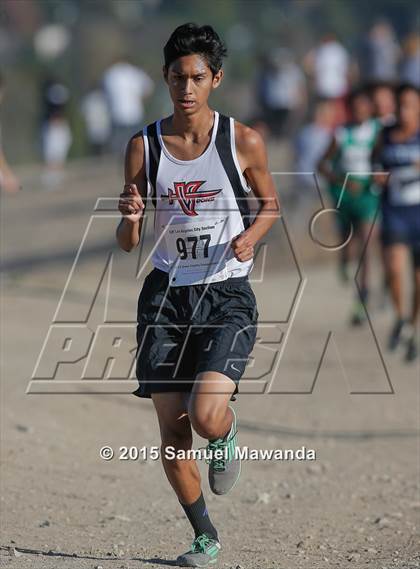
{"x":333,"y":389}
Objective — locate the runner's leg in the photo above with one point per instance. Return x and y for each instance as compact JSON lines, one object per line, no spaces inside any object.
{"x":413,"y":344}
{"x":366,"y":236}
{"x":395,"y":258}
{"x":183,"y":475}
{"x":208,"y":407}
{"x":175,"y":430}
{"x":416,"y":287}
{"x":213,"y":419}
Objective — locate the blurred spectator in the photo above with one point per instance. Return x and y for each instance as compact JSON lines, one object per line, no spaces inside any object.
{"x":282,"y":91}
{"x":410,"y":65}
{"x":384,"y":102}
{"x":56,"y":136}
{"x":125,"y":86}
{"x":312,"y":141}
{"x":330,"y":66}
{"x":380,"y":53}
{"x":95,"y":112}
{"x":8,"y":181}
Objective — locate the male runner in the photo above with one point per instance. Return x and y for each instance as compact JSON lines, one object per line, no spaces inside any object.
{"x":346,"y":163}
{"x":385,"y":103}
{"x":397,"y":152}
{"x":197,"y":313}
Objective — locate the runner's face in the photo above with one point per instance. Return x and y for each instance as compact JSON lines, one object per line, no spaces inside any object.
{"x":190,"y":83}
{"x":409,"y":108}
{"x":361,"y":109}
{"x":384,"y":101}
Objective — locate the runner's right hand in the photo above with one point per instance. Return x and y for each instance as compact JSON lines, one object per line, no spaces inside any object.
{"x":131,"y":205}
{"x":380,"y":178}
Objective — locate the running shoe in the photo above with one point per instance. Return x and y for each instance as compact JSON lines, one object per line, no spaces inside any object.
{"x":358,"y":315}
{"x":412,"y":346}
{"x":343,"y":272}
{"x":384,"y":296}
{"x":204,"y":552}
{"x":395,"y":336}
{"x":225,"y":467}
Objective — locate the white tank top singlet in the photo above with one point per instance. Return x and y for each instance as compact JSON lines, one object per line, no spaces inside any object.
{"x":200,"y":206}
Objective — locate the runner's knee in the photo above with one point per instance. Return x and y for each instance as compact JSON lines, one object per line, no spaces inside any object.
{"x":394,"y":271}
{"x":207,"y":422}
{"x":178,"y":434}
{"x":415,"y":256}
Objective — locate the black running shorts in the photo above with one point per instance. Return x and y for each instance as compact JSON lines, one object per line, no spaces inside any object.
{"x":185,"y":330}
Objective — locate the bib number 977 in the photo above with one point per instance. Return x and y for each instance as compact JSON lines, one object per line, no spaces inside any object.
{"x":189,"y":245}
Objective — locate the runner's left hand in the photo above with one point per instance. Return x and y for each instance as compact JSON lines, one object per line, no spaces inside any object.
{"x":354,"y":186}
{"x":243,"y":247}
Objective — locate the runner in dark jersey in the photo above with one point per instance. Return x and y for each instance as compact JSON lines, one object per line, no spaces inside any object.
{"x":398,"y":153}
{"x":197,"y":313}
{"x":385,"y":104}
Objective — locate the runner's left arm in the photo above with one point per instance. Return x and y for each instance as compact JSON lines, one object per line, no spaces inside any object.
{"x":252,"y":157}
{"x":380,"y":177}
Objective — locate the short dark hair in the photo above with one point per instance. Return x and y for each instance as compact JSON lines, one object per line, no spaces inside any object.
{"x":372,"y":86}
{"x":191,"y":38}
{"x":403,"y":87}
{"x":361,"y":91}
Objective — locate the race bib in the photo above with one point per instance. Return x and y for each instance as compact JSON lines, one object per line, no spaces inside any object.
{"x":196,"y":252}
{"x":356,"y":159}
{"x":404,"y":186}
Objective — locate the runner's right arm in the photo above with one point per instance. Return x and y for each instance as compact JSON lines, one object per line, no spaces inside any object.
{"x":324,"y":166}
{"x":132,"y":199}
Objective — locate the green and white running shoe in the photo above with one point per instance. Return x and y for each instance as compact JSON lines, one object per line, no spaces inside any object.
{"x":224,"y":472}
{"x":204,"y":552}
{"x":358,"y":315}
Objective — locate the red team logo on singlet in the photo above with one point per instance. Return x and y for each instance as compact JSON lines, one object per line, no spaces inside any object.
{"x":188,"y":194}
